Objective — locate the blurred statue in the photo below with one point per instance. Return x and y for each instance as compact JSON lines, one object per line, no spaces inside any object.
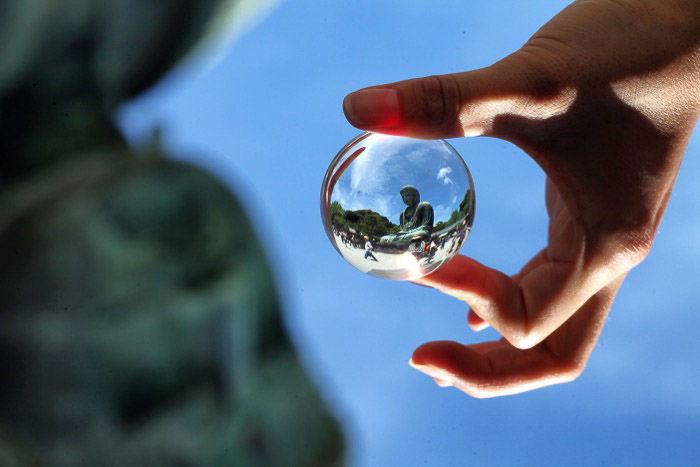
{"x":416,"y":221}
{"x":140,"y":325}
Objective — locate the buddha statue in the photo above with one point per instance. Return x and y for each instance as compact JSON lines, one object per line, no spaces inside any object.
{"x":141,"y":323}
{"x":416,"y":221}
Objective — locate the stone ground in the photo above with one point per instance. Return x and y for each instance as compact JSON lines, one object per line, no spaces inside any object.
{"x":399,"y":266}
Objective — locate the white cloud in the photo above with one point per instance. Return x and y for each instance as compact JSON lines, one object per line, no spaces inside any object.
{"x":443,"y":175}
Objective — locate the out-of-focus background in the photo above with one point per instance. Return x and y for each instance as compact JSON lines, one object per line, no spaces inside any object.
{"x":264,"y":115}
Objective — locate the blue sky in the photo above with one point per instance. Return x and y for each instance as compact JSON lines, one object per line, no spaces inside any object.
{"x":266,"y":119}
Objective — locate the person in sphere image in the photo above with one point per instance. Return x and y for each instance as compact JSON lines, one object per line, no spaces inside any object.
{"x":368,"y":250}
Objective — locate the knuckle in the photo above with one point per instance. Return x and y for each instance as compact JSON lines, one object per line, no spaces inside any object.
{"x":523,"y":340}
{"x":638,"y":244}
{"x":545,"y":89}
{"x":522,"y":332}
{"x":570,"y":370}
{"x":439,"y":98}
{"x":629,"y":248}
{"x":542,"y":62}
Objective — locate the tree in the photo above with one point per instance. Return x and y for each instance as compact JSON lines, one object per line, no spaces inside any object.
{"x":463,"y":212}
{"x":364,"y":221}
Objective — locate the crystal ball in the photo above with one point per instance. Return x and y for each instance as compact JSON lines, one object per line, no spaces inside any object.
{"x":396,"y":207}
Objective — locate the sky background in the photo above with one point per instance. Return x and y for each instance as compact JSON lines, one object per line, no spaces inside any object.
{"x":266,"y":119}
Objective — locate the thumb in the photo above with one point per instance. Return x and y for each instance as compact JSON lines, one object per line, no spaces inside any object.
{"x":442,"y":106}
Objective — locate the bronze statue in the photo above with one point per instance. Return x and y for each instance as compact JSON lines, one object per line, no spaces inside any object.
{"x":416,"y":221}
{"x":140,"y":322}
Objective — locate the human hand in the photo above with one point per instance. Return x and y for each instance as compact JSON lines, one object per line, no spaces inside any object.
{"x":604,"y":98}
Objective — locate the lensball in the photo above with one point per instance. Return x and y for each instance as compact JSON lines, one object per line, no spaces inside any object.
{"x":396,"y":207}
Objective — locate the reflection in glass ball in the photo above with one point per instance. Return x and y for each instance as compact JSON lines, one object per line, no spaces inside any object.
{"x":395,"y":207}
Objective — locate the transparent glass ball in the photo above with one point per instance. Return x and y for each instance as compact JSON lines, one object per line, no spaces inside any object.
{"x":396,"y":207}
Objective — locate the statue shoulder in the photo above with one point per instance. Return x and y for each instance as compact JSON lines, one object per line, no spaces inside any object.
{"x":126,"y":226}
{"x":425,"y":205}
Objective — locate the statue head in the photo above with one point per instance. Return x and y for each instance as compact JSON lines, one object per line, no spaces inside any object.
{"x":69,"y":65}
{"x":410,"y":195}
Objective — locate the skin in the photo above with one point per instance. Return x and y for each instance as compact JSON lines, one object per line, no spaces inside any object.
{"x":604,"y":98}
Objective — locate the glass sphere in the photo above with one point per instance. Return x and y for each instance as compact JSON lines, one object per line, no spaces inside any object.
{"x":396,"y":207}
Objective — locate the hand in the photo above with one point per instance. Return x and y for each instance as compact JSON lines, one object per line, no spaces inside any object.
{"x":604,"y":98}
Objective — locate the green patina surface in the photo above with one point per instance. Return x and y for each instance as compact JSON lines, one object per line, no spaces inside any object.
{"x":140,"y":323}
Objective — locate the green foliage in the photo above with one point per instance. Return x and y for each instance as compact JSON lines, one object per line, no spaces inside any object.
{"x":337,"y":211}
{"x":461,"y":213}
{"x":365,"y":221}
{"x":466,"y":204}
{"x":371,"y":223}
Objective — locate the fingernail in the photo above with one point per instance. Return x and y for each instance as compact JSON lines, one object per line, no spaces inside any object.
{"x":376,"y":107}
